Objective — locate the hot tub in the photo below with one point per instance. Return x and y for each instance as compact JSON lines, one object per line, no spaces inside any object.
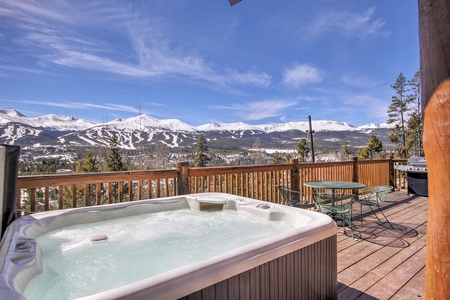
{"x":298,"y":262}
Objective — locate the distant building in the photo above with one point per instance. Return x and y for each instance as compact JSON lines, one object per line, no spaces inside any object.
{"x":64,"y":171}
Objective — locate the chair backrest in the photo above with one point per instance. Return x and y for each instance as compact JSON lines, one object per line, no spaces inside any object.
{"x":321,"y":199}
{"x":323,"y":202}
{"x":377,"y":194}
{"x":289,"y":195}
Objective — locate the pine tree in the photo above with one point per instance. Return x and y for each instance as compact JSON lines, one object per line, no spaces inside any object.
{"x":374,"y":145}
{"x":397,"y":113}
{"x":113,"y":158}
{"x":277,"y":159}
{"x":414,"y":136}
{"x":288,"y":158}
{"x":257,"y":153}
{"x":201,"y":157}
{"x":87,"y":164}
{"x":302,"y":150}
{"x":345,"y":151}
{"x":114,"y":163}
{"x":364,"y":153}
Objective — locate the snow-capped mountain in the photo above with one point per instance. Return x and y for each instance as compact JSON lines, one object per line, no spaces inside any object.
{"x":135,"y":132}
{"x":49,"y":122}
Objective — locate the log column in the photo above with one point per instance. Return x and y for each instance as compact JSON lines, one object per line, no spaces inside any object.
{"x":434,"y":32}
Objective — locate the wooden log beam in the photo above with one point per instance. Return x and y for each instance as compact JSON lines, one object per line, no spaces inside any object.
{"x":434,"y":32}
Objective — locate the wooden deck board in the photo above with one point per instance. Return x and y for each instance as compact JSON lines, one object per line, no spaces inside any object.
{"x":385,"y":263}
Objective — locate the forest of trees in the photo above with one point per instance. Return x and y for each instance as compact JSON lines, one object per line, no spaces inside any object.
{"x":406,"y":116}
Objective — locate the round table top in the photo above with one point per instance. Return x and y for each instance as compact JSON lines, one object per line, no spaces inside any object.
{"x":327,"y":184}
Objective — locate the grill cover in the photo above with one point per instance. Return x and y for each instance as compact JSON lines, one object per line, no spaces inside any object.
{"x":417,"y":161}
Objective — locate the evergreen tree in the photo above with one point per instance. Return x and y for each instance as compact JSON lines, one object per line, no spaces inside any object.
{"x":113,"y":158}
{"x":201,"y":157}
{"x":374,"y":145}
{"x":288,"y":158}
{"x":345,"y":151}
{"x":277,"y":159}
{"x":363,"y":153}
{"x":302,"y":150}
{"x":414,"y":137}
{"x":257,"y":152}
{"x":87,"y":164}
{"x":114,"y":163}
{"x":397,"y":113}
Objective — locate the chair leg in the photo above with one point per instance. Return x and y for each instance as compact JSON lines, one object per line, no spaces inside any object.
{"x":379,"y":208}
{"x":381,"y":211}
{"x":360,"y":213}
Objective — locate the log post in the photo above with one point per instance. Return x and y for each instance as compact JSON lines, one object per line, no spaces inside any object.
{"x":392,"y":173}
{"x":434,"y":33}
{"x":183,"y":175}
{"x":355,"y":169}
{"x":437,"y":150}
{"x":295,"y":176}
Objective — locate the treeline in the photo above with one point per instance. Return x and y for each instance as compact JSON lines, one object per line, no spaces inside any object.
{"x":405,"y":114}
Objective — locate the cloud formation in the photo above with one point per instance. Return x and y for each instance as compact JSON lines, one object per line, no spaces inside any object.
{"x":348,"y":24}
{"x":147,"y":50}
{"x":300,"y":75}
{"x":260,"y":110}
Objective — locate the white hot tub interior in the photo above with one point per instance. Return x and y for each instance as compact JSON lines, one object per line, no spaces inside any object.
{"x":128,"y":246}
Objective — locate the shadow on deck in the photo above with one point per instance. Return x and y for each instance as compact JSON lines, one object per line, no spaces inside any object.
{"x":384,"y":262}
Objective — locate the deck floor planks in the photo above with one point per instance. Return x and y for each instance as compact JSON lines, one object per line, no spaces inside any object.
{"x":363,"y":266}
{"x":364,"y":284}
{"x":413,"y":289}
{"x":388,"y":286}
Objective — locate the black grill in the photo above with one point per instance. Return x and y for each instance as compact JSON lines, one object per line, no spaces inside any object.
{"x":416,"y":175}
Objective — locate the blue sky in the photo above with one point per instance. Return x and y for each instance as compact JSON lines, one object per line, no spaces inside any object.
{"x":204,"y":61}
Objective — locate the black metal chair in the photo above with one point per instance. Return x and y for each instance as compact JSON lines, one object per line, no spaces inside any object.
{"x":374,"y":197}
{"x":292,"y":198}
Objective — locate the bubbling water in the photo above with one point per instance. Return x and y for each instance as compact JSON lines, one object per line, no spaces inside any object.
{"x":138,"y":247}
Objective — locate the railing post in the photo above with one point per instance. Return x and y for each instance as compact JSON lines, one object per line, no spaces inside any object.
{"x":355,"y":168}
{"x":183,"y":175}
{"x":295,"y":175}
{"x":392,"y":172}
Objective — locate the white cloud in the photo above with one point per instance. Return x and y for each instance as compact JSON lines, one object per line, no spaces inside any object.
{"x":150,"y":48}
{"x":84,"y":105}
{"x":363,"y":81}
{"x":260,"y":110}
{"x":348,"y":24}
{"x":252,"y":78}
{"x":300,"y":75}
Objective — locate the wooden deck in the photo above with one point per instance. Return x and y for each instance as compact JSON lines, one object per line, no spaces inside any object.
{"x":385,"y":263}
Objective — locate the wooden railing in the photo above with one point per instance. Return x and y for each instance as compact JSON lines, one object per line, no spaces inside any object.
{"x":51,"y":192}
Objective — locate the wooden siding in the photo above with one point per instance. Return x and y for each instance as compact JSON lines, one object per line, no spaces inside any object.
{"x":308,"y":273}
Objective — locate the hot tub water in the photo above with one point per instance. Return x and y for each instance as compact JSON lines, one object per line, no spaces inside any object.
{"x":138,"y":247}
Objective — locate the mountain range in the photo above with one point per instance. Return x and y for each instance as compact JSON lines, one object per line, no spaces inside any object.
{"x":143,"y":130}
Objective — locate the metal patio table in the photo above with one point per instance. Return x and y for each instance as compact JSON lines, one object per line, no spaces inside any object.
{"x":336,"y":211}
{"x":333,"y":186}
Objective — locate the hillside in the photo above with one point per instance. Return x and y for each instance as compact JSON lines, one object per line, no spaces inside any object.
{"x":143,"y":131}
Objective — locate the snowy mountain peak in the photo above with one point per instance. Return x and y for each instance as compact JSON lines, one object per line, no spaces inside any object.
{"x":60,"y":123}
{"x":145,"y":122}
{"x":11,"y":112}
{"x":145,"y":131}
{"x":10,"y":115}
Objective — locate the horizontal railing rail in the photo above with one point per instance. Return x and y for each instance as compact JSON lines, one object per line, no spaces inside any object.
{"x":51,"y":192}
